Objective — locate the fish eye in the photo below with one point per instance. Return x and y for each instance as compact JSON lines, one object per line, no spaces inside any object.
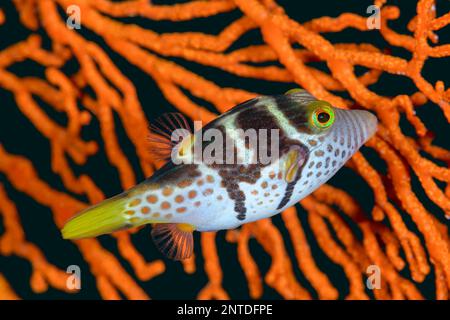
{"x":322,"y":115}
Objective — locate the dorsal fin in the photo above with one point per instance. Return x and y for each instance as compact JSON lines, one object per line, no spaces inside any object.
{"x":165,"y":134}
{"x":174,"y":240}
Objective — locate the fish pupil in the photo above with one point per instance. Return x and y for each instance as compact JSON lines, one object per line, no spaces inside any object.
{"x":323,"y":117}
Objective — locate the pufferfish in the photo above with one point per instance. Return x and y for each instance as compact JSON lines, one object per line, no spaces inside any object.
{"x":313,"y":138}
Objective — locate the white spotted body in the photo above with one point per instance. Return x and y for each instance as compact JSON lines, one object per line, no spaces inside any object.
{"x":215,"y":196}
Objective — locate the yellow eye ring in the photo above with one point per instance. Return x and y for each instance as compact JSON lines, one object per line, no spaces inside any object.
{"x":322,"y":115}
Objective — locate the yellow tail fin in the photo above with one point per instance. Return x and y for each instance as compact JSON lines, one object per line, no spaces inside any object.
{"x":104,"y":217}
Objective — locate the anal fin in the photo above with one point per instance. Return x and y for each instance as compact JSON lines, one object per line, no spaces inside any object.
{"x":175,"y":240}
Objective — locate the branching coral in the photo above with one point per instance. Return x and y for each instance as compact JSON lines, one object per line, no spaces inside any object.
{"x":351,"y":238}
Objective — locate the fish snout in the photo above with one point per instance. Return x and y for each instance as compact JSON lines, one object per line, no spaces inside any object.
{"x":367,"y":121}
{"x":354,"y":128}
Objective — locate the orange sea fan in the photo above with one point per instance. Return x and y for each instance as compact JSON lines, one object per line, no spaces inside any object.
{"x":392,"y":216}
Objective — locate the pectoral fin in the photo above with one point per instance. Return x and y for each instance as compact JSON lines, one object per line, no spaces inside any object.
{"x":293,"y":163}
{"x":174,"y":240}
